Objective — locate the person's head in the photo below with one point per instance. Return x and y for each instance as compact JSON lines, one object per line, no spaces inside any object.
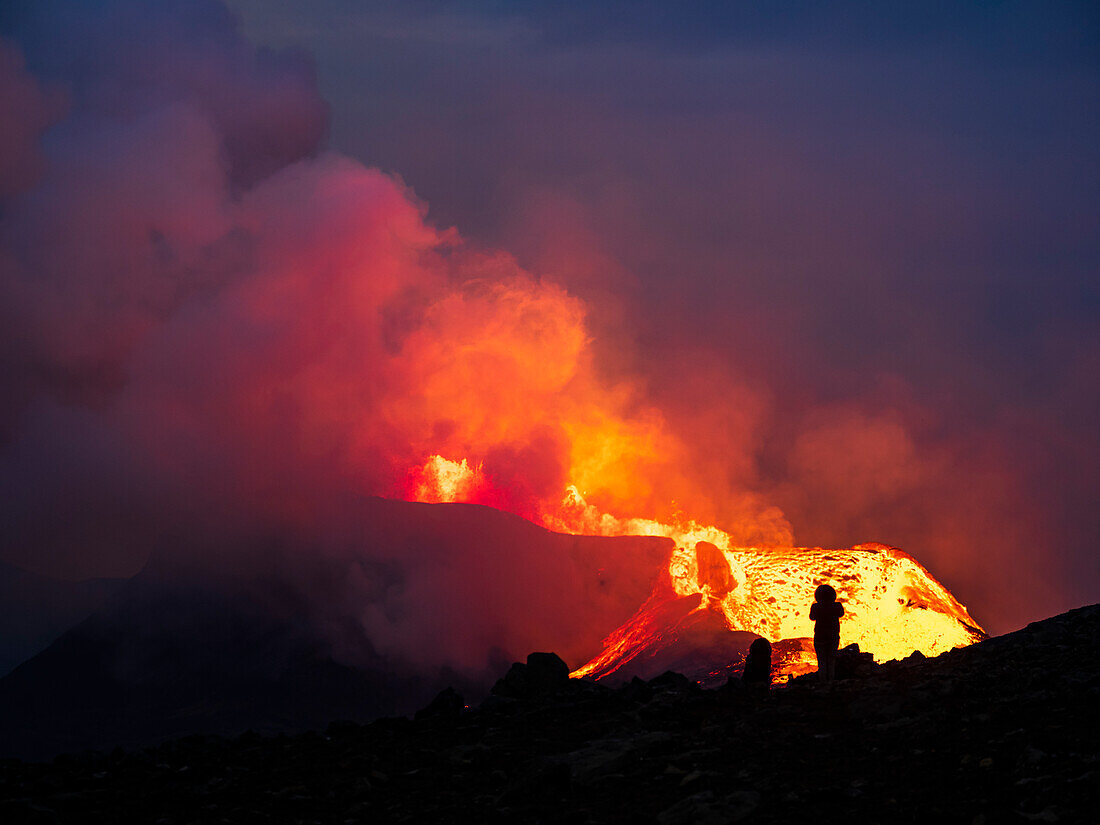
{"x":825,"y":594}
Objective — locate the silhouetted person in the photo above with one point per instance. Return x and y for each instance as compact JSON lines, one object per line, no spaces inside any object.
{"x":758,"y":664}
{"x":825,"y":614}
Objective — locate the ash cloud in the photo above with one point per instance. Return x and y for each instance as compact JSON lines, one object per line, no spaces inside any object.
{"x":221,"y":332}
{"x":827,"y":213}
{"x":216,"y":325}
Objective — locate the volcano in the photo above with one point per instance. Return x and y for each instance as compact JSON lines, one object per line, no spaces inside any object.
{"x":276,"y":633}
{"x":717,"y":596}
{"x":403,"y":599}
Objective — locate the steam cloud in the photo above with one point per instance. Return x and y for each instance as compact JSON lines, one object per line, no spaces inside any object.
{"x":211,"y":323}
{"x":216,"y":329}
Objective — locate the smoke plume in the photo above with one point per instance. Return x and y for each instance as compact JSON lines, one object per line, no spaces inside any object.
{"x":213,"y":325}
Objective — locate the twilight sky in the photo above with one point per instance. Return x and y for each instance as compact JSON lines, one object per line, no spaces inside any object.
{"x":846,"y":253}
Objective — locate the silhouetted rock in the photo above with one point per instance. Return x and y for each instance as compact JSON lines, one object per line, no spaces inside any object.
{"x":851,"y":664}
{"x":447,"y":705}
{"x":546,"y":671}
{"x":672,"y":681}
{"x":543,"y":673}
{"x":758,"y":664}
{"x":513,"y":684}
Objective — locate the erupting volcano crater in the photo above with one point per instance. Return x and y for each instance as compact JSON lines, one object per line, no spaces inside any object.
{"x":893,"y":606}
{"x":714,"y":598}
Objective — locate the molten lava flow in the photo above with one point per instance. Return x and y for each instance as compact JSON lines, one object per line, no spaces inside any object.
{"x":892,"y":605}
{"x":442,"y":480}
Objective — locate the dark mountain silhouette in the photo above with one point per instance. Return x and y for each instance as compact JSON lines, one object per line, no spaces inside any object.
{"x":36,"y":609}
{"x":267,"y":635}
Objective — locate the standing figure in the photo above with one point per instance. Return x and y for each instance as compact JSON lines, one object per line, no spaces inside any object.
{"x":825,"y":614}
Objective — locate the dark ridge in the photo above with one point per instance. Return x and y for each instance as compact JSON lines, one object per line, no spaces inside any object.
{"x":36,"y":609}
{"x":267,"y":636}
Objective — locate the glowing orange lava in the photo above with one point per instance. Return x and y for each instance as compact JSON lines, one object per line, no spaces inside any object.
{"x":442,"y":480}
{"x":893,"y":605}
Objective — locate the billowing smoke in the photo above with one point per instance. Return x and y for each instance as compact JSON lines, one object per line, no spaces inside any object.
{"x":214,"y":327}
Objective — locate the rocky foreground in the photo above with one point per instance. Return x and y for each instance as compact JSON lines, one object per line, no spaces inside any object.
{"x":1003,"y":731}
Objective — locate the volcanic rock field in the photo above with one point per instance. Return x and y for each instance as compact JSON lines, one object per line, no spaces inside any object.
{"x":1002,"y":731}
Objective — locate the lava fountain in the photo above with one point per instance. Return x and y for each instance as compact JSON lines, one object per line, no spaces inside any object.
{"x":893,"y":605}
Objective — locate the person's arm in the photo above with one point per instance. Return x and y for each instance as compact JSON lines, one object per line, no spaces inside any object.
{"x":813,"y":612}
{"x":839,"y":610}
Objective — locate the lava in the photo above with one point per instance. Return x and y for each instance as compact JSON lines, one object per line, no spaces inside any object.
{"x":442,"y":480}
{"x":893,"y":605}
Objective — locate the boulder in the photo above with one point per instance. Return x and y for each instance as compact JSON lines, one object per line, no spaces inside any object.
{"x":852,"y":664}
{"x":547,"y":671}
{"x":714,"y":569}
{"x":544,"y":673}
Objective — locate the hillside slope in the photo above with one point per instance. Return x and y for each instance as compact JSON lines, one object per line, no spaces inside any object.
{"x":280,"y":635}
{"x":1003,"y":731}
{"x":36,"y":609}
